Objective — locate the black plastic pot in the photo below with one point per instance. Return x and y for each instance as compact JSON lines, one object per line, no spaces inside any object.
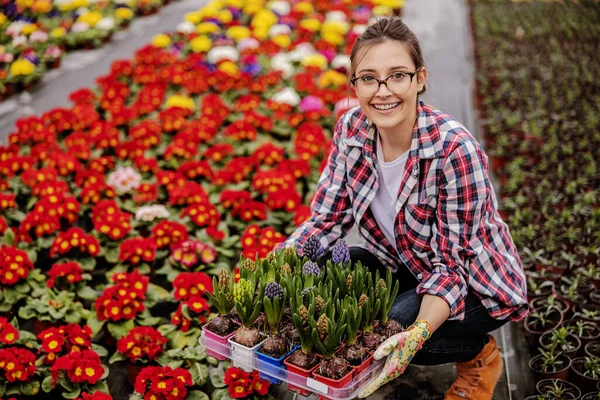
{"x":585,"y":383}
{"x":572,"y":391}
{"x":539,"y":375}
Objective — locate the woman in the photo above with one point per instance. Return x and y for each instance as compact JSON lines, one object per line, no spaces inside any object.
{"x":416,"y":183}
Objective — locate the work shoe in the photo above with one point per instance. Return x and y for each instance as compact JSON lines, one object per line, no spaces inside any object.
{"x":476,"y":379}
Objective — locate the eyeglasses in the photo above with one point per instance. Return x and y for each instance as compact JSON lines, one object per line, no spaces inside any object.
{"x":368,"y":85}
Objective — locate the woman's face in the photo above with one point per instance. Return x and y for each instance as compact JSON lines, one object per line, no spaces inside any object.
{"x":387,"y":110}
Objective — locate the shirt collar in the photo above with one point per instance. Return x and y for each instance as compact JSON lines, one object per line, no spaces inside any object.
{"x":426,"y":140}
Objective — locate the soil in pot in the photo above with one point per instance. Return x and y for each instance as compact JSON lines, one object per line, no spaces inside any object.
{"x":582,"y":368}
{"x":247,"y":337}
{"x":591,"y":396}
{"x":558,"y":389}
{"x":275,"y":346}
{"x":592,"y":349}
{"x":221,"y":325}
{"x":588,"y":312}
{"x":388,"y":329}
{"x":539,"y":322}
{"x":293,"y":336}
{"x":586,"y":331}
{"x":543,"y":367}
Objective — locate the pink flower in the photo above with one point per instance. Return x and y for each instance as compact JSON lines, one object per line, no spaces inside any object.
{"x":311,"y":103}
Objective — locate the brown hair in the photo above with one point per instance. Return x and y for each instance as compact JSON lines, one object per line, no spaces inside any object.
{"x":391,"y":28}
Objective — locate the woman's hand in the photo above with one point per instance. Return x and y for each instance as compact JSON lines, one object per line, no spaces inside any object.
{"x":400,"y":350}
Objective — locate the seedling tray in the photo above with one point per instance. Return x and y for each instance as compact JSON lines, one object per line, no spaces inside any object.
{"x":308,"y":384}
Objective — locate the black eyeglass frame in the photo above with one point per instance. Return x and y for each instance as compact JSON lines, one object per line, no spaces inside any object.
{"x":384,"y":81}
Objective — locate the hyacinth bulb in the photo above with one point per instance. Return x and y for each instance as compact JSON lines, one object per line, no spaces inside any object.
{"x":312,"y":248}
{"x":340,"y":252}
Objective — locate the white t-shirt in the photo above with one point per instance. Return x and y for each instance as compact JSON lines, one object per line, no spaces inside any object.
{"x":384,"y":203}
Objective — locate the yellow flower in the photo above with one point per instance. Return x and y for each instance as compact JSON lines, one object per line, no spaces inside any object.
{"x":2,"y":18}
{"x":194,"y":17}
{"x":22,"y":67}
{"x":333,"y":38}
{"x":229,"y":68}
{"x":310,"y":24}
{"x":58,"y":32}
{"x":200,"y":44}
{"x":90,"y":18}
{"x":264,"y":19}
{"x":283,"y":41}
{"x":42,"y":6}
{"x":24,"y":3}
{"x":124,"y":13}
{"x":235,"y":3}
{"x":161,"y":40}
{"x":224,"y":16}
{"x":179,"y":100}
{"x":315,"y":60}
{"x":238,"y":32}
{"x":28,"y":29}
{"x":207,"y":27}
{"x":253,"y":6}
{"x":73,"y":5}
{"x":382,"y":11}
{"x":389,"y":3}
{"x":331,"y":78}
{"x":304,"y":7}
{"x":335,"y":26}
{"x":260,"y":33}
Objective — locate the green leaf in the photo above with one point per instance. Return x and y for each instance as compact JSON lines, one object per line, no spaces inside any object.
{"x":116,"y":357}
{"x":101,"y":351}
{"x":197,"y":395}
{"x":94,"y":323}
{"x":163,"y":294}
{"x":112,"y":255}
{"x":72,"y":394}
{"x":166,"y":329}
{"x":32,"y":254}
{"x":221,"y":394}
{"x":87,"y":263}
{"x":216,"y":378}
{"x":118,"y":330}
{"x":87,"y":293}
{"x":106,"y":372}
{"x":179,"y":340}
{"x":199,"y":373}
{"x":101,"y":386}
{"x":47,"y":384}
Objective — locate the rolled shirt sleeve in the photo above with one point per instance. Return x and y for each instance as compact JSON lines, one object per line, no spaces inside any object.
{"x":463,"y":195}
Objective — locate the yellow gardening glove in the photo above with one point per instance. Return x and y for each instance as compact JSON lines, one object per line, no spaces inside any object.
{"x":402,"y":346}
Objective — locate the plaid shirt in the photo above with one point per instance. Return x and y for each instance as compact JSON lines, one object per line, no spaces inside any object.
{"x":448,"y":230}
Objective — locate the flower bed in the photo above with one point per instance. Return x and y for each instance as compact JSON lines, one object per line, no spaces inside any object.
{"x":34,"y":35}
{"x":538,"y":96}
{"x":118,"y":212}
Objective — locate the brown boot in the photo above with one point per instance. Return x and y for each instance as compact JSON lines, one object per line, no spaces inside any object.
{"x":476,"y":379}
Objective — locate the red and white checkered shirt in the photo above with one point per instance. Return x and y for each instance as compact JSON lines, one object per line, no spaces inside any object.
{"x":448,"y":230}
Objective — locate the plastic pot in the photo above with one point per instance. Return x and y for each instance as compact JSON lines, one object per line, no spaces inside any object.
{"x":243,"y":356}
{"x":299,"y":375}
{"x":585,"y":383}
{"x":334,"y":383}
{"x":217,"y":339}
{"x":591,"y":396}
{"x":539,"y":375}
{"x":273,"y":366}
{"x":572,"y":392}
{"x":360,"y":368}
{"x":592,"y":349}
{"x":546,"y":341}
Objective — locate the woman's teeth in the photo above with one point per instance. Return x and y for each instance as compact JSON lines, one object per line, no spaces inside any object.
{"x":386,"y":106}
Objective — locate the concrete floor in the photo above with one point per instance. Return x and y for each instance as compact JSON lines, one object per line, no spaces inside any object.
{"x":443,"y":30}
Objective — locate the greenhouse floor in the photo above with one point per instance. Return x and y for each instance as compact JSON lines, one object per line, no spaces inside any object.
{"x":443,"y":29}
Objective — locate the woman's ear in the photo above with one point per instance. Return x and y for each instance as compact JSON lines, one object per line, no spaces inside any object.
{"x":421,"y":78}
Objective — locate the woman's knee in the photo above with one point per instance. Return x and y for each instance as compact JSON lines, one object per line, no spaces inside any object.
{"x":406,"y":308}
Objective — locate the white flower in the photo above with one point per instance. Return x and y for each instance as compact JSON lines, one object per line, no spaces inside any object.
{"x":279,"y":7}
{"x":287,"y":96}
{"x":359,"y":29}
{"x":186,"y":27}
{"x":247,"y":43}
{"x":340,"y":61}
{"x":124,"y":179}
{"x":150,"y":213}
{"x":281,"y":62}
{"x":38,"y":36}
{"x":301,"y":51}
{"x":106,"y":24}
{"x":219,"y":53}
{"x":280,"y":29}
{"x":335,"y":16}
{"x":15,"y":28}
{"x":82,"y":10}
{"x":80,"y":27}
{"x":19,"y":40}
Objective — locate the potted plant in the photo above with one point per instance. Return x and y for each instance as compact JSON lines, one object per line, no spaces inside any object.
{"x":550,"y":364}
{"x":247,"y":338}
{"x":51,"y":309}
{"x":20,"y":282}
{"x":558,"y":389}
{"x":591,"y":396}
{"x":588,"y":312}
{"x":192,"y":358}
{"x":540,"y":321}
{"x":563,"y":340}
{"x":586,"y":331}
{"x":355,"y":353}
{"x":220,"y":328}
{"x":586,"y":373}
{"x":76,"y":372}
{"x":60,"y":341}
{"x":544,"y":303}
{"x":327,"y":332}
{"x":151,"y":381}
{"x":22,"y":378}
{"x":370,"y":306}
{"x":384,"y":292}
{"x":142,"y":345}
{"x":592,"y":349}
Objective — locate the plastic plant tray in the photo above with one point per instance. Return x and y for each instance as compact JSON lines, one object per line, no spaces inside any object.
{"x":350,"y":391}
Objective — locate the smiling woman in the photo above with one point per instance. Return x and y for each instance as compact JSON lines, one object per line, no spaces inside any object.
{"x":416,"y":183}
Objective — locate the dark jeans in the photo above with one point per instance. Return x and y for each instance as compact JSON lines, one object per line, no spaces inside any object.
{"x":454,"y":341}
